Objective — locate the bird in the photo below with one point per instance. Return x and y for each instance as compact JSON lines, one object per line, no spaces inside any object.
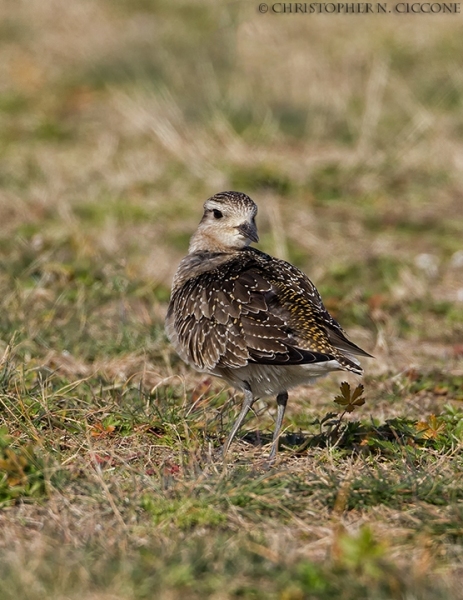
{"x":255,"y":321}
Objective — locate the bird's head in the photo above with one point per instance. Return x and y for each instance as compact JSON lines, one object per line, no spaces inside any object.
{"x":228,"y":224}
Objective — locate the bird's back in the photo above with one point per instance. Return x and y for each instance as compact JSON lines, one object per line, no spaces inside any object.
{"x":231,"y":310}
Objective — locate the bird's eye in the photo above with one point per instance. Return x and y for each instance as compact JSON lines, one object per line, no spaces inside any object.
{"x":217,"y":214}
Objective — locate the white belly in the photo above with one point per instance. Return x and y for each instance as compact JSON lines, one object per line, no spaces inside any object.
{"x":269,"y":380}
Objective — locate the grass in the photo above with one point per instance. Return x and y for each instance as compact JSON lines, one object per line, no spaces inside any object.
{"x":117,"y":120}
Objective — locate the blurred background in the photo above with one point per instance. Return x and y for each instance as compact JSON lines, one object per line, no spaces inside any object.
{"x":118,"y":118}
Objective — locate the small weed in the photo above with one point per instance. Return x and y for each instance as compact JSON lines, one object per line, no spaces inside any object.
{"x":22,"y":471}
{"x":361,"y":553}
{"x":184,"y":513}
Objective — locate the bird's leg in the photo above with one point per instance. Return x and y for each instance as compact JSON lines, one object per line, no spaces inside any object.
{"x":247,"y":404}
{"x":282,"y":400}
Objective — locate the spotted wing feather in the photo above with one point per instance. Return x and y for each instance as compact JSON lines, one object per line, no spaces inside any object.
{"x":251,"y":310}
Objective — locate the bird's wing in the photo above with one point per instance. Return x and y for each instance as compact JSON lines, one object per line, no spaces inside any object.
{"x":310,"y":308}
{"x":252,"y":309}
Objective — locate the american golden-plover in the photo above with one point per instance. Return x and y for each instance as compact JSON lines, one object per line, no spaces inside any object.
{"x":254,"y":320}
